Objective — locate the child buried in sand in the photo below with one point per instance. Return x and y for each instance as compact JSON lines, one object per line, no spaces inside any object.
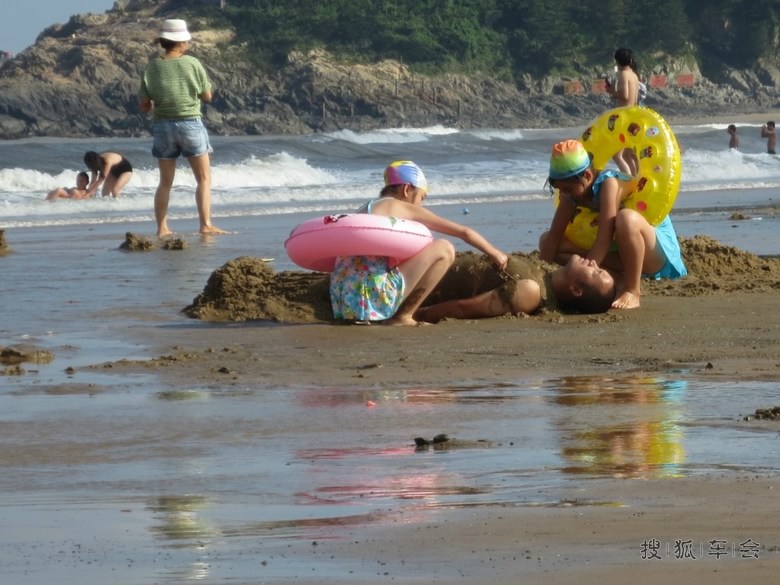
{"x":472,"y":289}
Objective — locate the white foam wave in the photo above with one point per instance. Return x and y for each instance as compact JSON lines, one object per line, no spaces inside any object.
{"x":277,"y":170}
{"x":725,"y":168}
{"x":506,"y":135}
{"x":391,"y":135}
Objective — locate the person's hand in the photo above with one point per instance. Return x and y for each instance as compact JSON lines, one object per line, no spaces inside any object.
{"x":500,"y":260}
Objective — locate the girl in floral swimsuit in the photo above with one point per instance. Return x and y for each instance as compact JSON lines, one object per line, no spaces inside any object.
{"x":368,"y":288}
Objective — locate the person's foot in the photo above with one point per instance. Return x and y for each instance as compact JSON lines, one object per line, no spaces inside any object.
{"x":211,"y":230}
{"x":626,"y":300}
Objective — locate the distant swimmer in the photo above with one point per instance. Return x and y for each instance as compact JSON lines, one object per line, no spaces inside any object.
{"x":109,"y":168}
{"x":80,"y":191}
{"x":768,"y":132}
{"x":733,"y":138}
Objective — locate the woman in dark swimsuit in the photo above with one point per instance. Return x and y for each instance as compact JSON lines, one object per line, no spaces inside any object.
{"x":110,"y":168}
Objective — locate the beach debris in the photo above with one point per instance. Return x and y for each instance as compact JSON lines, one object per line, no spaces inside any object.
{"x":772,"y":413}
{"x":13,"y":355}
{"x":174,"y":243}
{"x":136,"y":243}
{"x":443,"y":441}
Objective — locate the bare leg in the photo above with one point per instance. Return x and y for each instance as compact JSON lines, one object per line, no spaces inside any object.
{"x":639,"y":252}
{"x":120,"y":183}
{"x":108,"y":186}
{"x":627,"y":162}
{"x":162,"y":195}
{"x":422,"y":272}
{"x":201,"y":168}
{"x":522,"y":296}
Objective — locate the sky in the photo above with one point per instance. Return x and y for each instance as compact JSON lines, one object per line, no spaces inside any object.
{"x":24,"y":20}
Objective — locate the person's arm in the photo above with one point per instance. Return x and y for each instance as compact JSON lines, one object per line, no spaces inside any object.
{"x":609,"y":202}
{"x":622,"y":91}
{"x":206,"y":96}
{"x":95,"y":179}
{"x":450,"y":228}
{"x":548,"y":247}
{"x":92,"y":189}
{"x":145,"y":104}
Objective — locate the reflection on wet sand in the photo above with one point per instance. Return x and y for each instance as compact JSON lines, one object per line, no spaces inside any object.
{"x":640,"y":437}
{"x":180,"y":520}
{"x":225,"y":474}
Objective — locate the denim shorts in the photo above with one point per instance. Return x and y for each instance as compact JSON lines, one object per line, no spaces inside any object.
{"x":174,"y":138}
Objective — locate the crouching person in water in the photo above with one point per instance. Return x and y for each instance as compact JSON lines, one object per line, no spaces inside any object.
{"x":368,"y":289}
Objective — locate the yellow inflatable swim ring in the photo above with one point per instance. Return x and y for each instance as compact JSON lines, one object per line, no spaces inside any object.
{"x":649,"y":136}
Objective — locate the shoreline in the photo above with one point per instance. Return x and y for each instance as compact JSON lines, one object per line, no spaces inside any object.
{"x":758,"y":118}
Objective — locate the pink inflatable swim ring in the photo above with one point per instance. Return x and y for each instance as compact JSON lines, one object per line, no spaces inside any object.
{"x":315,"y":243}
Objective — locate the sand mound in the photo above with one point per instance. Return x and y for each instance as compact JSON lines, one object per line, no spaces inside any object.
{"x":247,"y":288}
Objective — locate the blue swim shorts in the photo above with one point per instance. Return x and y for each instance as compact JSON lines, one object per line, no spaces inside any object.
{"x":174,"y":138}
{"x":667,"y":239}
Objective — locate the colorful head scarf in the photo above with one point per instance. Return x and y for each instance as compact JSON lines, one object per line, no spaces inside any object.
{"x":569,"y":158}
{"x":405,"y":172}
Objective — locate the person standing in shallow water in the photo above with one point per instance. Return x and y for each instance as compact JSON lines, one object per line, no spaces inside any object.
{"x":172,"y":88}
{"x":733,"y":138}
{"x":768,"y":132}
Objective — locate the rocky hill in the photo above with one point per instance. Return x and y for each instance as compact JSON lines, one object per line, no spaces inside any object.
{"x":81,"y":79}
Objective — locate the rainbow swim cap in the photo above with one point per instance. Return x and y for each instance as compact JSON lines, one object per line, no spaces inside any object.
{"x":569,"y":158}
{"x":405,"y":172}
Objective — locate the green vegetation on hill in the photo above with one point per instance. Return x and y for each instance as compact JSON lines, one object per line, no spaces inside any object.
{"x":509,"y":37}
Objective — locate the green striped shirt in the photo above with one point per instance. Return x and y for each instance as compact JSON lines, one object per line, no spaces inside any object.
{"x":175,"y":86}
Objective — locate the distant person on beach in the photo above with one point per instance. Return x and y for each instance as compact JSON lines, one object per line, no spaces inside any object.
{"x":625,"y":241}
{"x":733,"y":138}
{"x":367,"y":288}
{"x":80,"y":191}
{"x":173,"y":88}
{"x":768,"y":132}
{"x":641,"y":89}
{"x":625,"y":93}
{"x":109,"y":168}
